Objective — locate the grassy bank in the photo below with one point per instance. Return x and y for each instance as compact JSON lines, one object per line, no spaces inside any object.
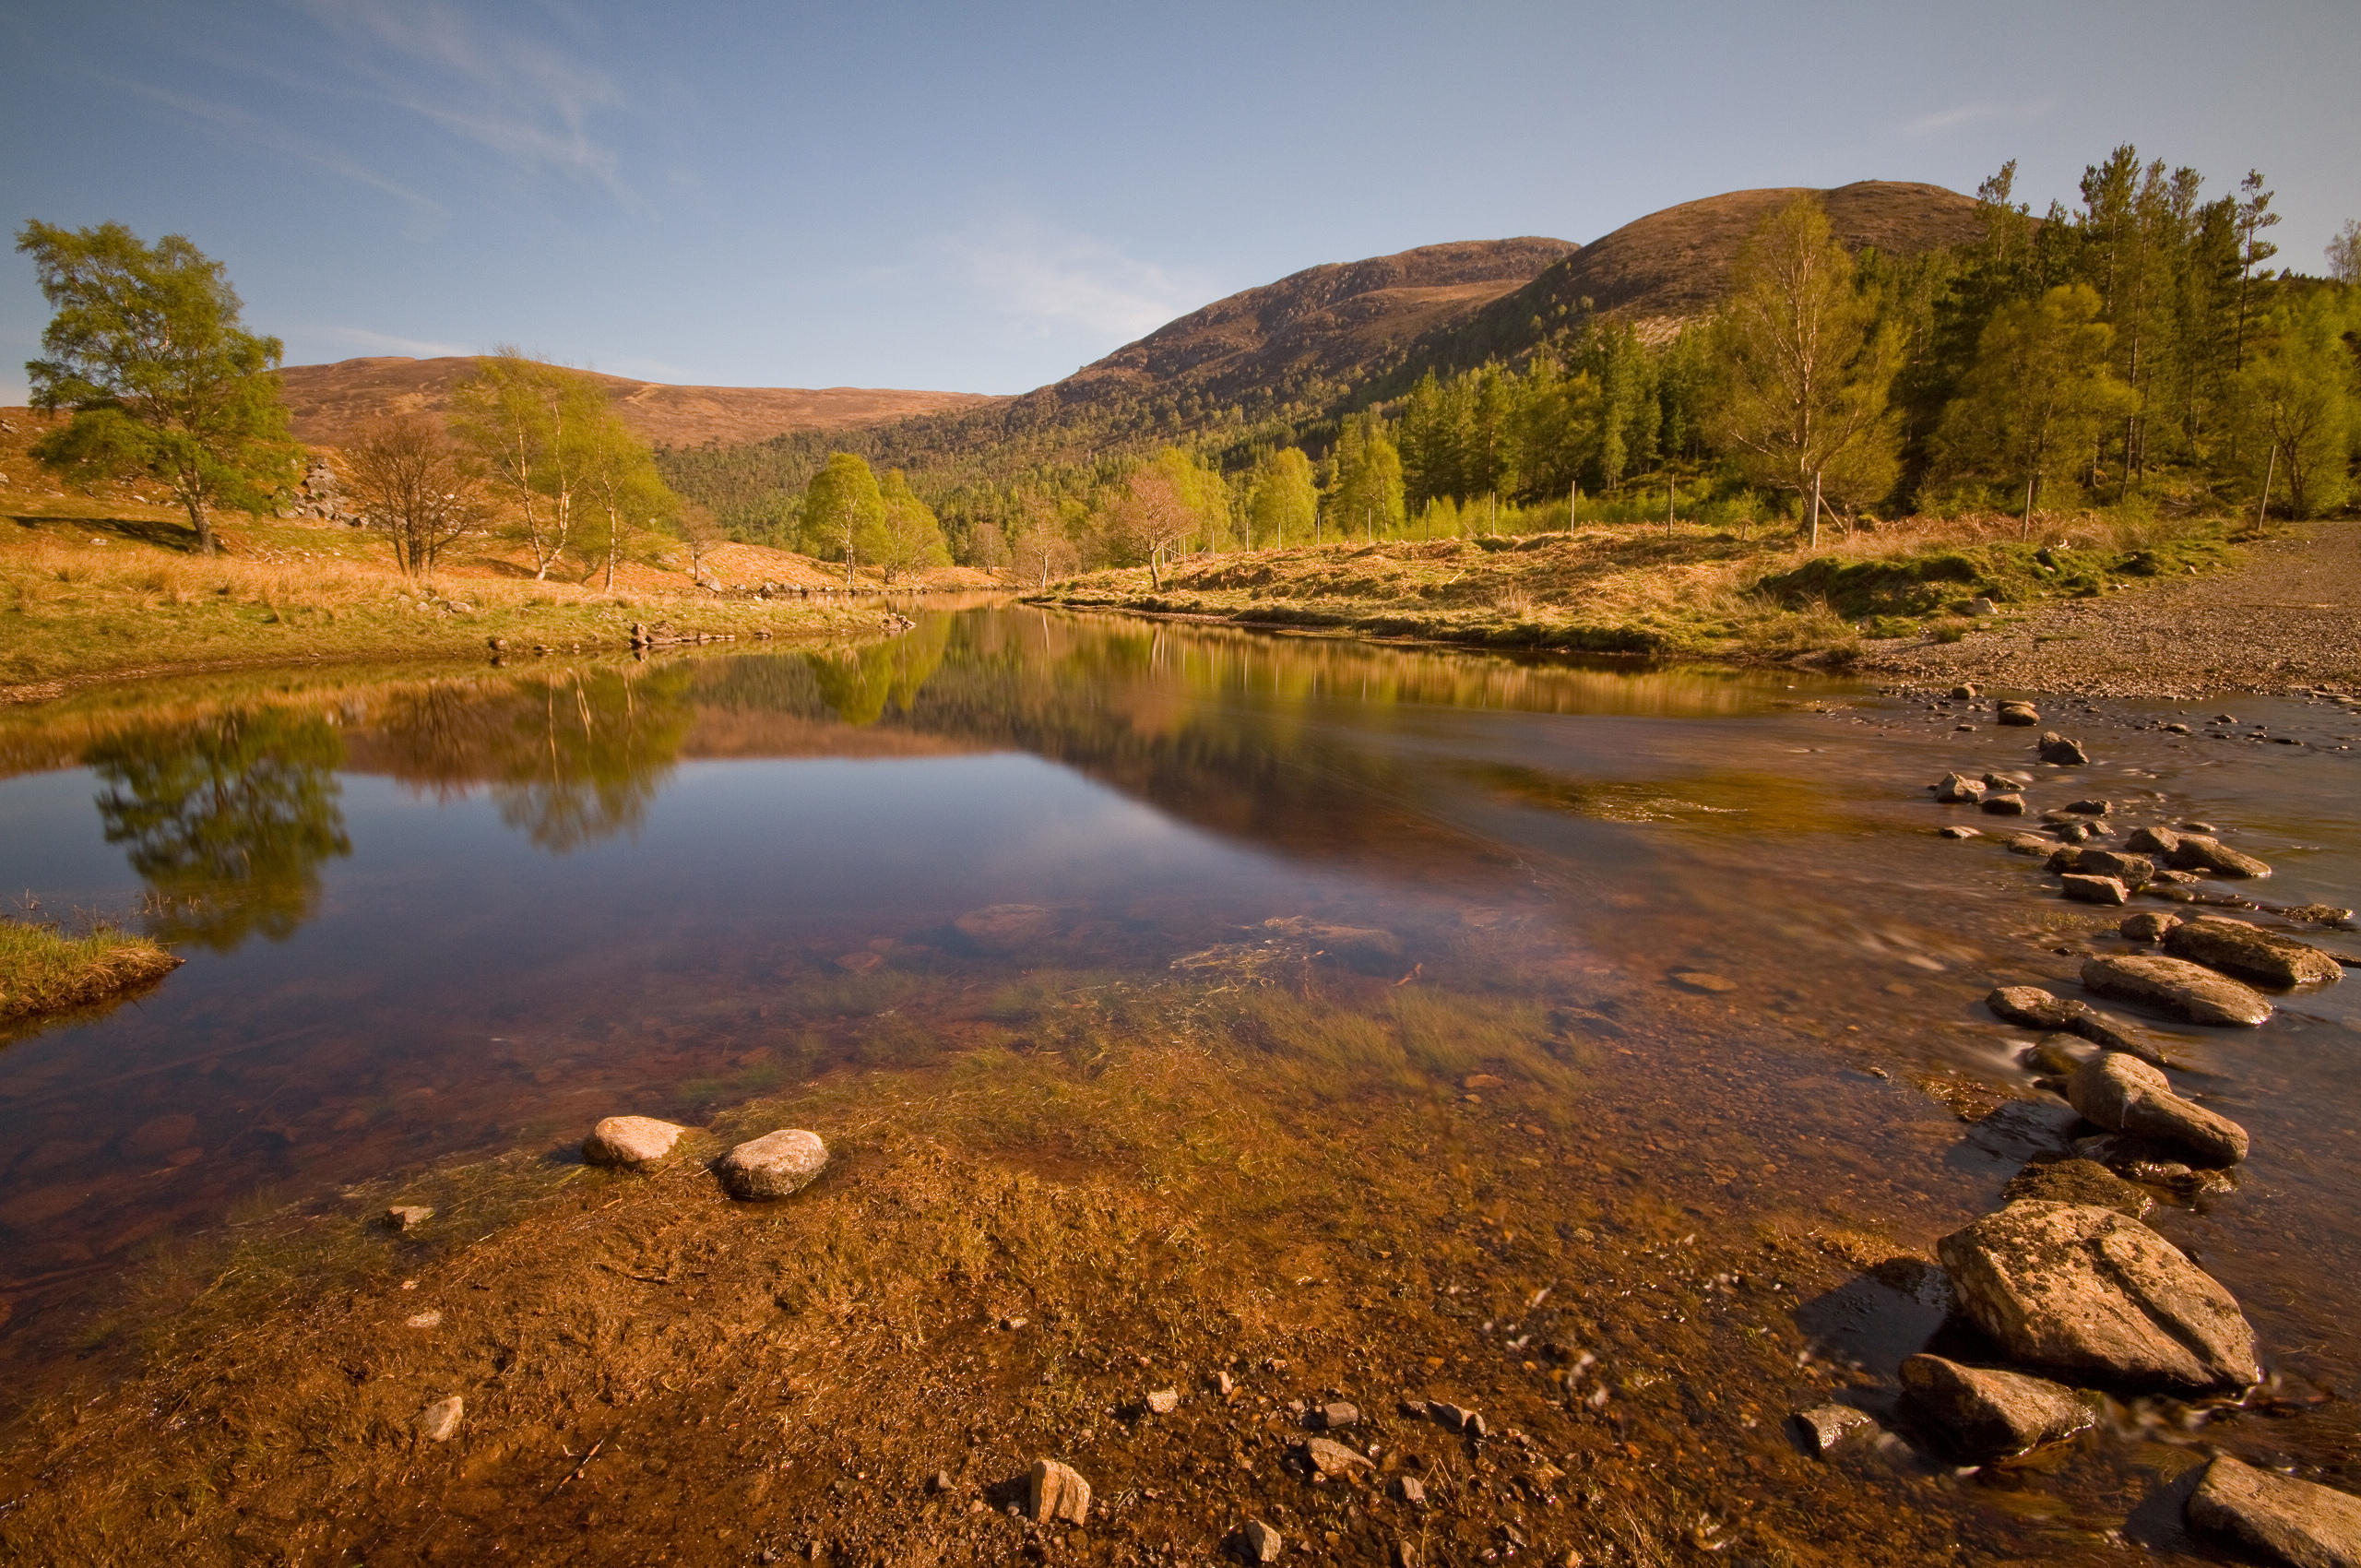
{"x":42,"y":971}
{"x":1685,"y":591}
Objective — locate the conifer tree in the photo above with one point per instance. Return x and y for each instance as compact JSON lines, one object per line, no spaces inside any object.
{"x":2040,"y":395}
{"x":1285,"y":500}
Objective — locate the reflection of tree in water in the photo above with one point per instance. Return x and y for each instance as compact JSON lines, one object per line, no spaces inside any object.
{"x":590,"y":752}
{"x":858,"y":684}
{"x":228,"y":821}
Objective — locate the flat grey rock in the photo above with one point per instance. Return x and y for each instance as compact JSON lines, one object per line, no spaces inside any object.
{"x":2128,"y":1096}
{"x":630,"y":1140}
{"x":1989,"y":1413}
{"x":2088,"y":1291}
{"x":1056,"y":1490}
{"x":774,"y":1165}
{"x":2295,"y":1522}
{"x":2177,"y":987}
{"x":2250,"y":952}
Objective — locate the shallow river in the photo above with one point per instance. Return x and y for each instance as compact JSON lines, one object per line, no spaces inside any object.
{"x":434,"y":913}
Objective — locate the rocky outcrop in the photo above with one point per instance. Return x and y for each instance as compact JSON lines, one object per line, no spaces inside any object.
{"x":774,"y":1165}
{"x":1987,"y":1413}
{"x":2126,"y":1096}
{"x":2251,"y":953}
{"x":2092,"y":1291}
{"x":2291,"y":1521}
{"x":2177,"y":987}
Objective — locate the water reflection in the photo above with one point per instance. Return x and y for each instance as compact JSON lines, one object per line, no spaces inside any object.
{"x":228,"y":821}
{"x":859,"y":684}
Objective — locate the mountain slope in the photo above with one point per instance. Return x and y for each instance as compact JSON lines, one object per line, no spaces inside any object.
{"x":1324,"y":324}
{"x":330,"y":401}
{"x":1675,"y":264}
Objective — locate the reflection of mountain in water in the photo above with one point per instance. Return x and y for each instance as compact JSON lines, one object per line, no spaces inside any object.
{"x":227,"y":821}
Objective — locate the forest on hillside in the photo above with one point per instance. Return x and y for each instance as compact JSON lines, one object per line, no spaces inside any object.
{"x":2135,"y":350}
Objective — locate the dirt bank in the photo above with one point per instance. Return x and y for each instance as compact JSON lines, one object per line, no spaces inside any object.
{"x":2288,"y":619}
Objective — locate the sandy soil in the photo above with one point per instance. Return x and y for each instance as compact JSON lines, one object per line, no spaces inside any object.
{"x":2288,"y":621}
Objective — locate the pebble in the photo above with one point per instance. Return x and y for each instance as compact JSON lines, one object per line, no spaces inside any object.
{"x":1333,"y":1458}
{"x":1964,"y":693}
{"x":1164,"y":1401}
{"x":407,"y":1216}
{"x":2018,"y":715}
{"x":1263,"y":1544}
{"x":2154,"y":840}
{"x":1956,"y":832}
{"x":630,"y":1140}
{"x":2148,"y":925}
{"x":773,"y":1165}
{"x":1337,"y":1414}
{"x":2003,"y":805}
{"x":1056,"y":1490}
{"x":1410,"y":1489}
{"x":2089,"y":808}
{"x":439,"y":1421}
{"x":1954,"y":789}
{"x":2026,"y":844}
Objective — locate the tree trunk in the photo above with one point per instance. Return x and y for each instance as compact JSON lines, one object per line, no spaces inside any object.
{"x":1154,"y":568}
{"x":1815,"y":509}
{"x":2025,"y":531}
{"x":2270,"y":469}
{"x":202,"y":524}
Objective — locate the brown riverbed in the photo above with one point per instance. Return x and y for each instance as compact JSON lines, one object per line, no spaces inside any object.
{"x":1519,"y":1165}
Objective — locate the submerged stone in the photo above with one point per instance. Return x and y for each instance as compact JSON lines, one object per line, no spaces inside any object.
{"x":1824,"y":1427}
{"x":2084,"y":1182}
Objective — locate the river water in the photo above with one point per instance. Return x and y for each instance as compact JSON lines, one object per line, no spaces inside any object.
{"x":434,"y":912}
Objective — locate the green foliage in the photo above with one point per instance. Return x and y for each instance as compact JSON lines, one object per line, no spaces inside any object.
{"x":1915,"y":585}
{"x":1285,"y":501}
{"x":2032,"y":410}
{"x":545,"y":436}
{"x":2295,"y":403}
{"x":844,"y":512}
{"x":1365,"y":499}
{"x":146,"y":348}
{"x":908,"y":539}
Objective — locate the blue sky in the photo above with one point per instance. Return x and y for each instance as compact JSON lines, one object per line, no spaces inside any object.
{"x":985,"y":197}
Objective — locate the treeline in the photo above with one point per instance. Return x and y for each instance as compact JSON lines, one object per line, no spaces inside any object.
{"x":2135,"y":349}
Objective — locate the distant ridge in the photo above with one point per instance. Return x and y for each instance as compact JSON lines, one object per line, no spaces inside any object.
{"x":330,"y":401}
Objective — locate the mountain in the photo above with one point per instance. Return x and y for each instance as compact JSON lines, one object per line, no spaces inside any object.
{"x":330,"y":401}
{"x":1673,"y":264}
{"x":1323,"y":325}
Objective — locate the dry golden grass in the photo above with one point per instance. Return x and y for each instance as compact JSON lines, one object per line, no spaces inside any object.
{"x":43,"y":970}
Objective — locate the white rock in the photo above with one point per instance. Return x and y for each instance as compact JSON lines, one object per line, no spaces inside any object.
{"x":773,"y":1165}
{"x":407,"y":1216}
{"x":630,"y":1140}
{"x":440,"y":1419}
{"x":1263,"y":1544}
{"x":1164,"y":1401}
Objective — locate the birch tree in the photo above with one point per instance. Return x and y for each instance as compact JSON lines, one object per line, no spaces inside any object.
{"x":1808,"y":369}
{"x":537,"y":427}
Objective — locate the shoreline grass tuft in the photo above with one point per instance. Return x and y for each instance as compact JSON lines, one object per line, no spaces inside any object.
{"x":43,"y":970}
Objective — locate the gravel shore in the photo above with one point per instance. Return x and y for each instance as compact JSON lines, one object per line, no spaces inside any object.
{"x":2288,"y":619}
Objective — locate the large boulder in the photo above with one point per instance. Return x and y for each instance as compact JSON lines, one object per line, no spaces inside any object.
{"x":2291,"y":1521}
{"x":2091,"y":1291}
{"x":2128,"y":1096}
{"x":2177,"y":987}
{"x":2251,"y":953}
{"x":2196,"y":852}
{"x":774,"y":1165}
{"x":1988,"y":1413}
{"x":630,"y":1140}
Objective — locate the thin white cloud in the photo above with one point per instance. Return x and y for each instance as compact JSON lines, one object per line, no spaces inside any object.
{"x":1973,"y":113}
{"x":1048,"y":281}
{"x":417,"y":348}
{"x":278,"y":138}
{"x":518,"y":96}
